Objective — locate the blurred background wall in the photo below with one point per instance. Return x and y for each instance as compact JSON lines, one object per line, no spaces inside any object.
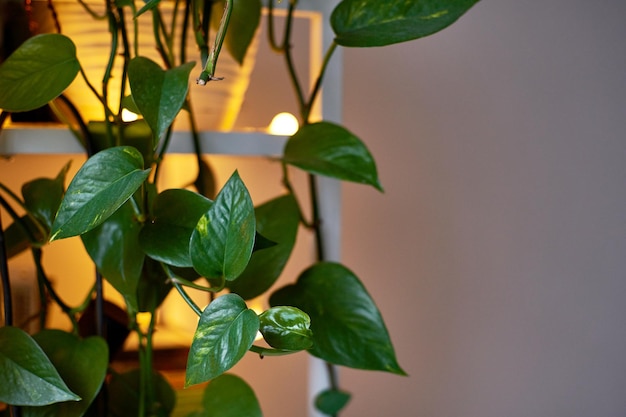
{"x":498,"y":252}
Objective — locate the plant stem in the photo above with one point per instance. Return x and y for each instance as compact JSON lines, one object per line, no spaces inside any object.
{"x":318,"y":82}
{"x":271,"y":36}
{"x":4,"y":276}
{"x":208,"y":73}
{"x":187,"y":298}
{"x":286,"y":48}
{"x":305,"y":113}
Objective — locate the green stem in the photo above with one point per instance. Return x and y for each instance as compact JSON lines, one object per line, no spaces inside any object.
{"x":286,"y":48}
{"x":291,"y":190}
{"x":305,"y":113}
{"x":263,"y":351}
{"x":126,"y":59}
{"x":208,"y":74}
{"x":158,"y":29}
{"x":19,"y":221}
{"x":176,"y":283}
{"x":187,"y":298}
{"x":318,"y":83}
{"x":271,"y":35}
{"x":202,"y":40}
{"x":4,"y":278}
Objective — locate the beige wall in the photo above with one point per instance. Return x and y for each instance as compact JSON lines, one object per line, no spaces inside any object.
{"x":497,"y":253}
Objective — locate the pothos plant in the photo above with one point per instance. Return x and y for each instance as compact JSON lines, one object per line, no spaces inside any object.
{"x":148,"y":242}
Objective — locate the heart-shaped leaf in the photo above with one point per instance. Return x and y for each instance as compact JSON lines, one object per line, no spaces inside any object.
{"x":42,"y":197}
{"x":105,"y":182}
{"x":278,"y":221}
{"x":222,"y":241}
{"x":378,"y":23}
{"x":286,"y":328}
{"x":347,"y":326}
{"x":229,"y":396}
{"x":124,"y":395}
{"x":328,"y":149}
{"x":331,"y":401}
{"x":37,"y":72}
{"x":226,"y":330}
{"x":136,"y":134}
{"x":114,"y":247}
{"x":158,"y":93}
{"x":176,"y":213}
{"x":153,"y":286}
{"x":17,"y":239}
{"x":28,"y":376}
{"x":83,"y":366}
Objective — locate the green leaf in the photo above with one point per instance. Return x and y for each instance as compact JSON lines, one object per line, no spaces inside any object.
{"x":136,"y":134}
{"x":242,"y":26}
{"x":105,"y":182}
{"x":17,"y":240}
{"x":328,"y":149}
{"x":37,"y":72}
{"x":158,"y":94}
{"x":222,"y":241}
{"x":363,"y":23}
{"x":153,"y":286}
{"x":331,"y":401}
{"x":347,"y":326}
{"x":124,"y":395}
{"x":83,"y":366}
{"x":114,"y":248}
{"x":230,"y":396}
{"x":286,"y":328}
{"x":150,"y":4}
{"x":205,"y":181}
{"x":176,"y":213}
{"x":28,"y":377}
{"x":278,"y":221}
{"x":42,"y":197}
{"x":226,"y":330}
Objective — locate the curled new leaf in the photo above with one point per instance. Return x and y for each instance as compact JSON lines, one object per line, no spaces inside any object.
{"x":363,"y":23}
{"x":287,"y":328}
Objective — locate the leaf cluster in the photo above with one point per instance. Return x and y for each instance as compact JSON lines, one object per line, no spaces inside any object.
{"x":148,"y":242}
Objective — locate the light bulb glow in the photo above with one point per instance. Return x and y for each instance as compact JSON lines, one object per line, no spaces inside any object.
{"x":129,"y":116}
{"x":284,"y":124}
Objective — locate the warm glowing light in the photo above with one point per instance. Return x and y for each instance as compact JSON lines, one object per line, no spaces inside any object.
{"x":256,"y":305}
{"x":129,"y":116}
{"x":284,"y":124}
{"x":143,"y":321}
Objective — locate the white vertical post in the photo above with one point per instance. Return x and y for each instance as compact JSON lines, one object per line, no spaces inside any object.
{"x":329,"y":190}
